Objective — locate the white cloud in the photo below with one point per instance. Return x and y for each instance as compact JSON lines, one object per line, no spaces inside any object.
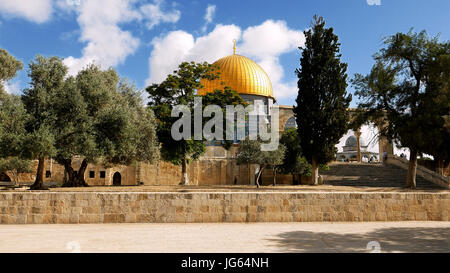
{"x":178,"y":46}
{"x":107,"y":43}
{"x":12,"y":87}
{"x":155,"y":15}
{"x":178,"y":43}
{"x":374,"y":2}
{"x":264,"y":43}
{"x":38,"y":11}
{"x":209,"y":16}
{"x":210,"y":11}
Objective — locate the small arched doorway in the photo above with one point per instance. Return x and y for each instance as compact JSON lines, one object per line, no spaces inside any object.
{"x":117,"y":179}
{"x":4,"y":177}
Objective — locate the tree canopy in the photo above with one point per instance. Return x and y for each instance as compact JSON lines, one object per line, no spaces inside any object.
{"x":407,"y":90}
{"x":294,"y":162}
{"x":94,"y":116}
{"x":250,"y":152}
{"x":8,"y":66}
{"x":12,"y":123}
{"x":178,"y":89}
{"x":322,"y":102}
{"x":15,"y":166}
{"x":103,"y":120}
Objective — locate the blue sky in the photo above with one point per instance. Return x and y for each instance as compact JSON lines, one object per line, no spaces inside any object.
{"x":144,"y":40}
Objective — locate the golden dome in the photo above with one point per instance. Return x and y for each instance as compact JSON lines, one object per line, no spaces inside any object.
{"x":240,"y":74}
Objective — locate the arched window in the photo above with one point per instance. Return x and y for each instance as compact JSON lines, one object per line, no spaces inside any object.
{"x":290,"y":123}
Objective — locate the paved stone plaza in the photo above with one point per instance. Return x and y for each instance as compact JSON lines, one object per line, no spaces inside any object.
{"x":248,"y":238}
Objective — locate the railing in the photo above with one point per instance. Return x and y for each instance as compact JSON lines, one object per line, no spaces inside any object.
{"x":423,"y":172}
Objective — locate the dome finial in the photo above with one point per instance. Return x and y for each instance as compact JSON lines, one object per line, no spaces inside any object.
{"x":234,"y":47}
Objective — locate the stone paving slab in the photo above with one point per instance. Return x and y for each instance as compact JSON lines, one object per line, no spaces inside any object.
{"x":218,"y":238}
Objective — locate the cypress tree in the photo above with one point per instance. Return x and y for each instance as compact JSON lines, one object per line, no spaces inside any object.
{"x":322,"y":102}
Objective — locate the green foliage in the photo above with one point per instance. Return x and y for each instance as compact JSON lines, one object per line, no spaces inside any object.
{"x":47,"y":80}
{"x":40,"y":143}
{"x":222,"y":98}
{"x":180,"y":88}
{"x":13,"y":119}
{"x":92,"y":115}
{"x":437,"y":105}
{"x":126,"y":130}
{"x":103,"y":119}
{"x":294,"y":163}
{"x":12,"y":113}
{"x":97,"y":87}
{"x":408,"y":91}
{"x":79,"y":108}
{"x":8,"y":66}
{"x":322,"y":102}
{"x":275,"y":158}
{"x":15,"y":166}
{"x":447,"y":122}
{"x":249,"y":152}
{"x":73,"y":131}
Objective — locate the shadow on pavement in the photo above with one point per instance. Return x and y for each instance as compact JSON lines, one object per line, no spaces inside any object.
{"x":422,"y":240}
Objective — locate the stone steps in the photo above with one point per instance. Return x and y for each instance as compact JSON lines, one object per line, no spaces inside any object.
{"x":370,"y":175}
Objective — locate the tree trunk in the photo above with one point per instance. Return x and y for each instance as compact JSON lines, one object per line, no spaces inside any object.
{"x":440,"y":166}
{"x":297,"y":179}
{"x":39,"y":182}
{"x":72,"y":179}
{"x":68,"y":170}
{"x":249,"y":175}
{"x":184,"y":174}
{"x":412,"y":168}
{"x":315,"y":171}
{"x":65,"y":178}
{"x":274,"y":176}
{"x":259,"y":175}
{"x":15,"y":177}
{"x":79,"y":179}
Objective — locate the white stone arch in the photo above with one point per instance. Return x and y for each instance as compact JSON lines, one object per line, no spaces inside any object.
{"x":369,"y":143}
{"x":290,"y":123}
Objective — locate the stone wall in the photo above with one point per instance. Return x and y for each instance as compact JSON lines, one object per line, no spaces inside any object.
{"x":217,"y":167}
{"x":92,"y":207}
{"x":54,"y":173}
